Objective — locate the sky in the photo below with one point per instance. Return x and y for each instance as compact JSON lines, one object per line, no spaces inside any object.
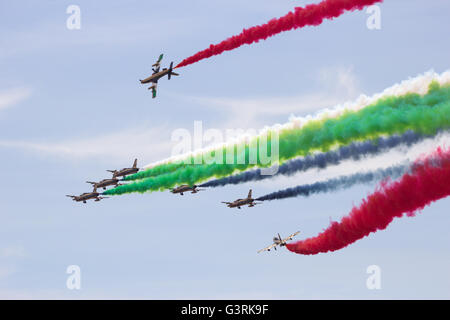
{"x":71,"y":107}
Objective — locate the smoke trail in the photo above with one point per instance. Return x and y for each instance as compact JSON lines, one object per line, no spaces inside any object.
{"x":419,"y":85}
{"x":428,"y":182}
{"x":310,"y":15}
{"x":353,"y":151}
{"x":424,"y":114}
{"x":155,"y":171}
{"x":343,"y":182}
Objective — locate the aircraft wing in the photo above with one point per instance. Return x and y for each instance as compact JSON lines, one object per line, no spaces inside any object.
{"x":254,"y":203}
{"x":291,"y":236}
{"x":159,"y":60}
{"x":268,"y":248}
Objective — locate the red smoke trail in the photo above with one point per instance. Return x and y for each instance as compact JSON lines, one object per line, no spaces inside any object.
{"x":310,"y":15}
{"x":428,"y":182}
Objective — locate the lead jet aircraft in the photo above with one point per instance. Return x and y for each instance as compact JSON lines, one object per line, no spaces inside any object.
{"x":185,"y":188}
{"x":277,"y":241}
{"x":157,"y":74}
{"x":105,"y":183}
{"x":86,"y":196}
{"x":125,"y":171}
{"x":242,"y":202}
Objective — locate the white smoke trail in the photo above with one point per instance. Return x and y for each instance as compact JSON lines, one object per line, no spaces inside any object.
{"x":417,"y":85}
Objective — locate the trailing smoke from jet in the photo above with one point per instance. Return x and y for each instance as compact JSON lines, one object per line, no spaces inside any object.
{"x":419,"y":85}
{"x":425,"y":114}
{"x":310,"y":15}
{"x":354,"y":151}
{"x":342,"y":182}
{"x":429,"y":181}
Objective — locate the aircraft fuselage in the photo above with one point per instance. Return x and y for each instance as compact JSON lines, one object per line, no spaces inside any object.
{"x":155,"y":77}
{"x":87,"y":196}
{"x":241,"y":202}
{"x":184,"y":188}
{"x":125,"y":172}
{"x":107,"y":182}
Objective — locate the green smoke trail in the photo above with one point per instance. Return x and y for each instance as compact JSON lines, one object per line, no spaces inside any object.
{"x":409,"y":99}
{"x":424,"y":114}
{"x":155,"y":171}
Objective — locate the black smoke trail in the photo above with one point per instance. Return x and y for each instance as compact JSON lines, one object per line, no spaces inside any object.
{"x":337,"y":183}
{"x":354,"y":151}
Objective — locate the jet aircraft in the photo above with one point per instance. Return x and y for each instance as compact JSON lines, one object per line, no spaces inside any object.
{"x":86,"y":196}
{"x":242,"y":202}
{"x":105,"y":183}
{"x":277,"y":241}
{"x":185,"y":188}
{"x":126,"y":171}
{"x":157,"y":74}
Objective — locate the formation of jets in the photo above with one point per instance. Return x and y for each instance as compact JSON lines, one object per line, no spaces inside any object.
{"x":105,"y":183}
{"x":114,"y":180}
{"x":157,"y":74}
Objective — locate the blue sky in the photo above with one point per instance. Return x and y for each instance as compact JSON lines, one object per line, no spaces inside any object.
{"x":71,"y":107}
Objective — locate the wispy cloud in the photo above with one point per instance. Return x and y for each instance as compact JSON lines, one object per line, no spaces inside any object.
{"x":116,"y":147}
{"x":12,"y":252}
{"x":152,"y":144}
{"x":7,"y":257}
{"x":50,"y":36}
{"x":338,"y":84}
{"x":11,"y":97}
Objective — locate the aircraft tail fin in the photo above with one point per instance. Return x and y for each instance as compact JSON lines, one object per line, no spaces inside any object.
{"x":113,"y":172}
{"x":135,"y":163}
{"x":249,"y":194}
{"x":169,"y":75}
{"x":158,"y":61}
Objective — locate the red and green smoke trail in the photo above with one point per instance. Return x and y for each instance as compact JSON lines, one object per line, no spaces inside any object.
{"x":310,"y":15}
{"x":419,"y":85}
{"x":428,"y":182}
{"x":385,"y":116}
{"x":394,"y":115}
